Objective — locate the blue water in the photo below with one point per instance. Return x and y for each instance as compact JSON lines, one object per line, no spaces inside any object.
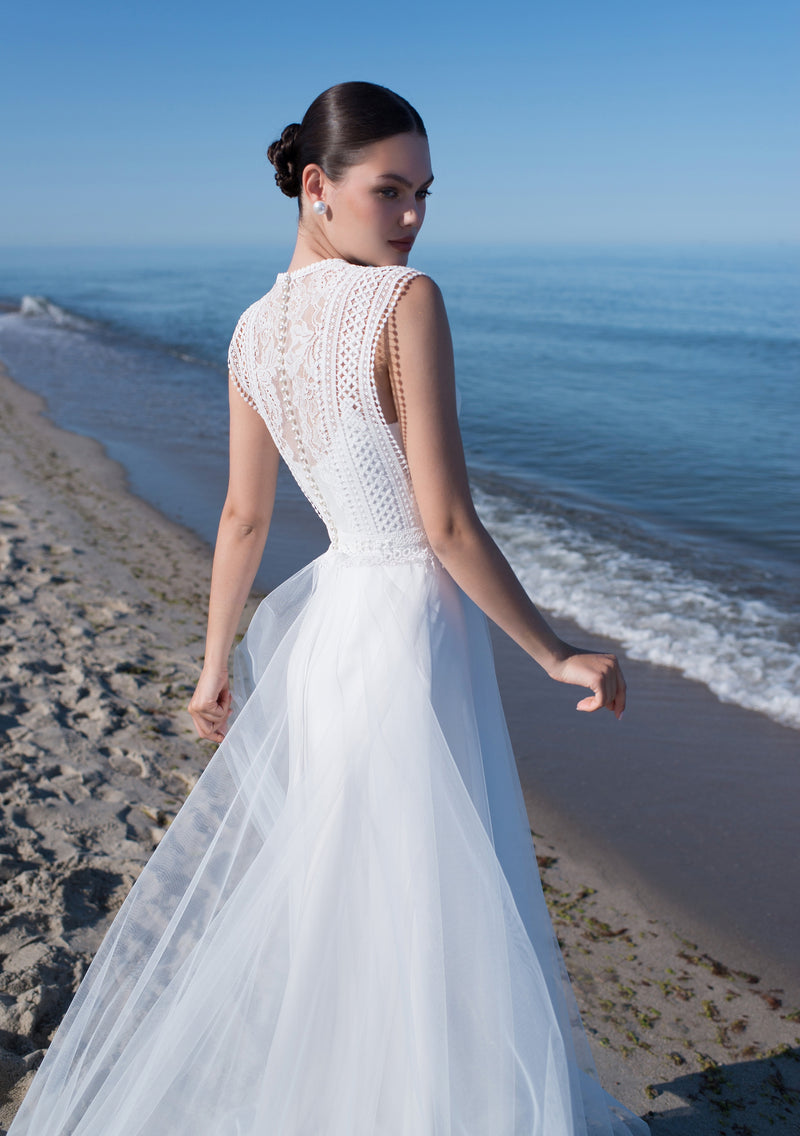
{"x":630,"y":418}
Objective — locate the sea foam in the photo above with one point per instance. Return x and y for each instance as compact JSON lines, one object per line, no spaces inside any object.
{"x":42,"y":308}
{"x":745,"y":650}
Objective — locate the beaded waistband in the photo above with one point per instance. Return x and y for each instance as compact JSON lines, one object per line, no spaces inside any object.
{"x":390,"y":548}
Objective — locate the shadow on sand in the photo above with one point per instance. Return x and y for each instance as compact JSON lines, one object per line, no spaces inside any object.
{"x":744,"y":1099}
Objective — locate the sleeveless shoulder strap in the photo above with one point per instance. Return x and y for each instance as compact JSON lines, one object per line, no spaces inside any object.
{"x":370,"y":296}
{"x":359,"y":312}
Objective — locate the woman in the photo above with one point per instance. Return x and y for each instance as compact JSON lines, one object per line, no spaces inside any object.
{"x":343,"y":932}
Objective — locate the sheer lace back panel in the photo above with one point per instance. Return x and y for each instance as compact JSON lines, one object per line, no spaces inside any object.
{"x":304,"y":357}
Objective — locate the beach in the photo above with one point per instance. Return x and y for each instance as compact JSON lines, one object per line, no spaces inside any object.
{"x":693,"y":1023}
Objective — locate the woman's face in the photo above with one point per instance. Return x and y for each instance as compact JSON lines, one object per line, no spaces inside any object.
{"x":376,"y":210}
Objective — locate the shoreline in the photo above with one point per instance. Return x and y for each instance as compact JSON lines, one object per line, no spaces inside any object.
{"x":106,"y":612}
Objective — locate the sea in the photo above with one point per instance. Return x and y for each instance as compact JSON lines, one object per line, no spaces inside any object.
{"x":630,"y":417}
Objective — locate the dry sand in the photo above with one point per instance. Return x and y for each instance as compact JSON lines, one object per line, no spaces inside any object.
{"x":103,"y":606}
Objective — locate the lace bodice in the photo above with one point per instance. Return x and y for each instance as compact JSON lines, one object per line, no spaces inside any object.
{"x":304,"y":357}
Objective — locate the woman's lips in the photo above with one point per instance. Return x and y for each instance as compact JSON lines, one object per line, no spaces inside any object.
{"x":404,"y":245}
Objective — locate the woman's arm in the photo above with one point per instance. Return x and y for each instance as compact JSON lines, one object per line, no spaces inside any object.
{"x":423,"y":381}
{"x":242,"y":533}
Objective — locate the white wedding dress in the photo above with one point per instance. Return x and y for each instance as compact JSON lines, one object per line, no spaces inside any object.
{"x":343,"y":932}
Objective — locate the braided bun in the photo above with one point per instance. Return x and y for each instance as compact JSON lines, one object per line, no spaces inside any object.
{"x":283,"y":155}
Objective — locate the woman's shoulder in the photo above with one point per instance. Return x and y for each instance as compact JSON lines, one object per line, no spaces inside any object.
{"x":253,"y":310}
{"x":419,"y":292}
{"x":400,"y":280}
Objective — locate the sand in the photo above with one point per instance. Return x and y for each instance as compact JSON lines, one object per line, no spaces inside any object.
{"x":103,"y":607}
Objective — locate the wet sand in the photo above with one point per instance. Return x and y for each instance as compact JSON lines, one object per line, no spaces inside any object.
{"x":695,"y":804}
{"x":103,"y":614}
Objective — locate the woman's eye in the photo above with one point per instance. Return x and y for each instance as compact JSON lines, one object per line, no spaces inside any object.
{"x":390,"y":193}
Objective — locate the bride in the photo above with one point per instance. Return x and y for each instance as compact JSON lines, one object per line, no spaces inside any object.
{"x":343,"y":932}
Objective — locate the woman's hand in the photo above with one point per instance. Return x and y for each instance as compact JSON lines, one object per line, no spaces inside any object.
{"x":601,"y":673}
{"x":210,"y":705}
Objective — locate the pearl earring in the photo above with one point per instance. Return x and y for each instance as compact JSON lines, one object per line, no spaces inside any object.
{"x":320,"y":207}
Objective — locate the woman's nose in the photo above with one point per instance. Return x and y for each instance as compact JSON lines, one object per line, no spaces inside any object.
{"x":411,"y":217}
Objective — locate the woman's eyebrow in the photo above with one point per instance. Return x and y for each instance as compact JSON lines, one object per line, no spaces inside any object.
{"x":404,"y":181}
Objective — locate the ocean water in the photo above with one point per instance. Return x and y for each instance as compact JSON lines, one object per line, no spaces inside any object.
{"x":630,"y":417}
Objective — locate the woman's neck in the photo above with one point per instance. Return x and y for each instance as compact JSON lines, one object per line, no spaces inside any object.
{"x":309,"y":248}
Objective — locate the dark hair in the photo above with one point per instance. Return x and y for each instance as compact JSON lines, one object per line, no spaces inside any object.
{"x":336,"y":128}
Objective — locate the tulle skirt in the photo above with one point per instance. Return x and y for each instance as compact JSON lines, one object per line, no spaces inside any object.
{"x":343,"y":932}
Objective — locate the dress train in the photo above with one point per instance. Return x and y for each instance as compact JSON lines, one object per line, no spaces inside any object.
{"x":342,"y":933}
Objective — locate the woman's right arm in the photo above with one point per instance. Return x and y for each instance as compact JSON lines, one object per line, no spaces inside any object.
{"x":423,"y":380}
{"x":242,"y":533}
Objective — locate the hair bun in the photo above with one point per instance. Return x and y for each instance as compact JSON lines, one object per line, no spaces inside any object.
{"x":283,"y":155}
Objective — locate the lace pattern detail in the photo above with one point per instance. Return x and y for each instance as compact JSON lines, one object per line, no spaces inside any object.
{"x":304,"y":357}
{"x":396,"y":548}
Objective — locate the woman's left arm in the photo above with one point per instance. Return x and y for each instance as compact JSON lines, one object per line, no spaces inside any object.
{"x":242,"y":534}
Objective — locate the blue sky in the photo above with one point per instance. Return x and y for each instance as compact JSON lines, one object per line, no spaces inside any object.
{"x":565,"y":121}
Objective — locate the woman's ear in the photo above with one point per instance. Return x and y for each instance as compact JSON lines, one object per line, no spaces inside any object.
{"x":313,"y":182}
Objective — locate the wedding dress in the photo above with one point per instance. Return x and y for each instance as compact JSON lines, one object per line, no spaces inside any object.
{"x":342,"y":932}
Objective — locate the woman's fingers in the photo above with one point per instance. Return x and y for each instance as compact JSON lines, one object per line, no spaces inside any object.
{"x":206,"y":723}
{"x":602,"y":674}
{"x":210,"y":713}
{"x":209,"y":725}
{"x":592,"y":702}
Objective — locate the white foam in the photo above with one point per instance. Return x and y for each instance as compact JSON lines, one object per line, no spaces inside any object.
{"x":41,"y":307}
{"x":741,"y":648}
